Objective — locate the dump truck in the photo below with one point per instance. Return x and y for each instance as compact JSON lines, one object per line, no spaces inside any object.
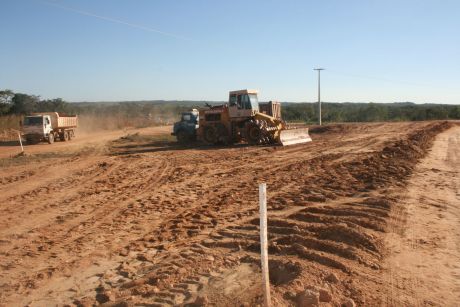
{"x":244,"y":119}
{"x":49,"y":126}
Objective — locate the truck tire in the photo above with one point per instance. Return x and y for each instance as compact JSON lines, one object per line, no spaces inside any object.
{"x":62,"y":137}
{"x":51,"y":138}
{"x":182,"y":136}
{"x":65,"y":136}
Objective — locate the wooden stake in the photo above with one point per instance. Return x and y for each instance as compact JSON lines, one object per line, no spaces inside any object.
{"x":264,"y":243}
{"x":20,"y":142}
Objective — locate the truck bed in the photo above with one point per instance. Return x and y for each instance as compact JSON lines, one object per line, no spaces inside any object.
{"x":66,"y":122}
{"x":61,"y":121}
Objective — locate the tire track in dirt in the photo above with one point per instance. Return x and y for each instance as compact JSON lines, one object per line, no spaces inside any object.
{"x":423,"y":251}
{"x":337,"y":237}
{"x":71,"y":230}
{"x":165,"y":225}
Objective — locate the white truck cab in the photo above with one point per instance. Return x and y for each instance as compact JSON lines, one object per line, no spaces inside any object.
{"x":37,"y":127}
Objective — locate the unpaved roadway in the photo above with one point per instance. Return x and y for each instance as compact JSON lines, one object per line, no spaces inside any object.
{"x":83,"y":139}
{"x":424,"y":257}
{"x":143,"y":221}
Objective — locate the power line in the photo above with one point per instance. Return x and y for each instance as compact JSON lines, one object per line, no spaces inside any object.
{"x":113,"y":20}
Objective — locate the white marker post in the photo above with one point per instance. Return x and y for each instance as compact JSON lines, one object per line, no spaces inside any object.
{"x":20,"y":142}
{"x":264,"y":243}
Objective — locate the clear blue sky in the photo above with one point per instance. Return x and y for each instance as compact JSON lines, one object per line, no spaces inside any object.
{"x":381,"y":51}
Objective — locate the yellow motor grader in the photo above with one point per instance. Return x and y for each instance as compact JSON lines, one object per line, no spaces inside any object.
{"x":243,"y":118}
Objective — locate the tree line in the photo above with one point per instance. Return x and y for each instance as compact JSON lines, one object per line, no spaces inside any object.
{"x":167,"y":111}
{"x":369,"y":112}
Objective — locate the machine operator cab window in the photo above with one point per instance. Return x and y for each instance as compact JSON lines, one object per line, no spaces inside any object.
{"x":243,"y":103}
{"x":233,"y":100}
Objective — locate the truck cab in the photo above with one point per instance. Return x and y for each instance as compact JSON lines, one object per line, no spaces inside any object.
{"x":185,"y":129}
{"x":37,"y":128}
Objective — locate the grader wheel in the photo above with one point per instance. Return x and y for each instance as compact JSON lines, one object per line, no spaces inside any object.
{"x":252,"y":132}
{"x":210,"y":135}
{"x":257,"y":132}
{"x":222,"y":135}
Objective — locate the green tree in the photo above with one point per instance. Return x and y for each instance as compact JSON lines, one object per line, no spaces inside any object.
{"x":24,"y":104}
{"x":6,"y":97}
{"x":53,"y":105}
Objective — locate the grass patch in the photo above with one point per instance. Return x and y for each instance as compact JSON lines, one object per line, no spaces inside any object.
{"x":10,"y":122}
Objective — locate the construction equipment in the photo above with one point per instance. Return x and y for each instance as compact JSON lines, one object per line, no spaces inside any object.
{"x":49,"y":126}
{"x":185,"y":129}
{"x":244,"y":119}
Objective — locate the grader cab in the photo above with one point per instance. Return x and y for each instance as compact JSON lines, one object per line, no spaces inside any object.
{"x":244,"y":119}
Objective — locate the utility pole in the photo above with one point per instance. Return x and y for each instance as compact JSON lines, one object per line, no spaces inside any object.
{"x":319,"y":94}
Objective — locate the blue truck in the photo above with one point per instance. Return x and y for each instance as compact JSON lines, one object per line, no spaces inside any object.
{"x":185,"y":129}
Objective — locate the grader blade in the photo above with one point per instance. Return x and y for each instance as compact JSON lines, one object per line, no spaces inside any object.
{"x":294,"y":136}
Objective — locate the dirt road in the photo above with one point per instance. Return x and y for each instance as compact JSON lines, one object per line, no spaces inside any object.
{"x":424,"y":261}
{"x":143,"y":221}
{"x":83,"y":139}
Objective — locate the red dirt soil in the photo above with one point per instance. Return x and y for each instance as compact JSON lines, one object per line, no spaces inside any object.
{"x":144,"y":221}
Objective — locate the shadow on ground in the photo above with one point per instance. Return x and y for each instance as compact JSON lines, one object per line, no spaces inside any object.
{"x":159,"y":146}
{"x":10,"y":143}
